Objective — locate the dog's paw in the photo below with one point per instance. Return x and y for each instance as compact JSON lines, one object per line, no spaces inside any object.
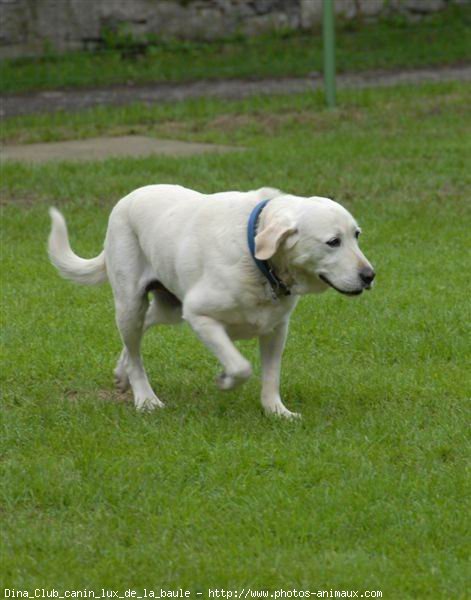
{"x":121,"y":380}
{"x":146,"y":404}
{"x":280,"y":410}
{"x":224,"y":381}
{"x":287,"y":414}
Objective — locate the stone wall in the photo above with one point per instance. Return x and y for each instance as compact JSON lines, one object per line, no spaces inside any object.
{"x":28,"y":27}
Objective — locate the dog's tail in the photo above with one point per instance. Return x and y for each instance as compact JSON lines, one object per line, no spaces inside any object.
{"x":69,"y":265}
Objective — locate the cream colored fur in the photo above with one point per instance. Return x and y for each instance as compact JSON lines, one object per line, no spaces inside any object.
{"x":195,"y":245}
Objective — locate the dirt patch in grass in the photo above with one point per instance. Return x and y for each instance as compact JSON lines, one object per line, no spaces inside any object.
{"x":25,"y":201}
{"x":110,"y":395}
{"x":104,"y":395}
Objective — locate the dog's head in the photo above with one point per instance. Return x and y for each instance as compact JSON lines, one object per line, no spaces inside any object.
{"x":314,"y":242}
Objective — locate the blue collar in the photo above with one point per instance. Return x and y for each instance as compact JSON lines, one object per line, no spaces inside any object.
{"x":279,"y":288}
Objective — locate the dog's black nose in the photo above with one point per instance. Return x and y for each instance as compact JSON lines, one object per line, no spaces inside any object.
{"x":367,"y":275}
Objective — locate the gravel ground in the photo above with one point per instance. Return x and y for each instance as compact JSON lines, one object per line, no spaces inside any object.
{"x":77,"y":99}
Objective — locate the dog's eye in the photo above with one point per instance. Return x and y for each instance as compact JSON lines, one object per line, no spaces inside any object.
{"x":334,"y":242}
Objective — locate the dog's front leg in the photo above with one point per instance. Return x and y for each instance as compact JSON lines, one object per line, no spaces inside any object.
{"x":271,"y":350}
{"x":212,"y":333}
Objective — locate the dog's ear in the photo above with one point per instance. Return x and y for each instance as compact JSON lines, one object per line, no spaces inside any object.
{"x":271,"y":237}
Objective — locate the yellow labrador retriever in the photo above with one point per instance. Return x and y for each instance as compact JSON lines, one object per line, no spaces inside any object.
{"x":232,"y":265}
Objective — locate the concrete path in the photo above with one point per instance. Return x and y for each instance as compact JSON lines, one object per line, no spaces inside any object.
{"x":72,"y":100}
{"x":101,"y":148}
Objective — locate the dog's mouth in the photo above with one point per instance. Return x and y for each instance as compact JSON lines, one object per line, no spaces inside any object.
{"x":345,"y":292}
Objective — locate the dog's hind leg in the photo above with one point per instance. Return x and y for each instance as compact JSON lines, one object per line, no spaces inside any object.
{"x":125,"y":266}
{"x":130,"y":315}
{"x":121,"y":378}
{"x":162,"y":310}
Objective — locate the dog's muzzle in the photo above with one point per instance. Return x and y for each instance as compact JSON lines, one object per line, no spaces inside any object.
{"x":366,"y":279}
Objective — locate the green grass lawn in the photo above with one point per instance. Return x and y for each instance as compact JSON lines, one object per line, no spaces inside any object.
{"x":370,"y":491}
{"x":439,"y":39}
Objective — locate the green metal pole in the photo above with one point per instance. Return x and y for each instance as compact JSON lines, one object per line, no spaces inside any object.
{"x":329,"y":52}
